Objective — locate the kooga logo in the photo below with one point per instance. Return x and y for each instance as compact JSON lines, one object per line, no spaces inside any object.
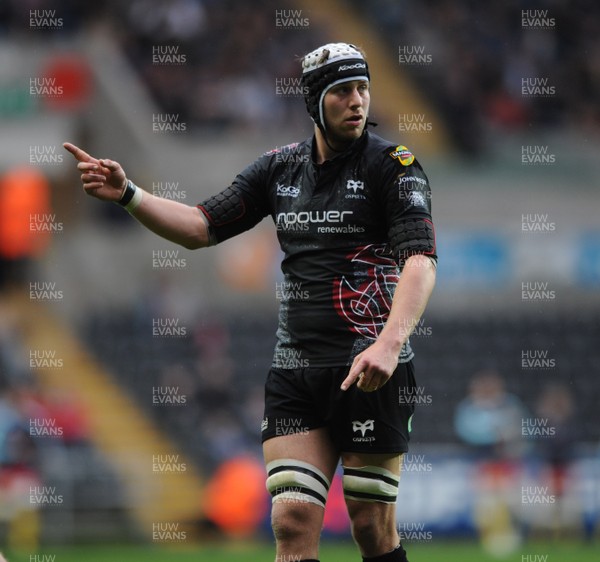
{"x":352,"y":66}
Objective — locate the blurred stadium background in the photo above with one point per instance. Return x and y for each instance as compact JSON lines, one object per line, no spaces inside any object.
{"x":131,"y":370}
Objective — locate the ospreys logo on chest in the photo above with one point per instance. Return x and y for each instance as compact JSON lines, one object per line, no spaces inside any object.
{"x":355,"y":189}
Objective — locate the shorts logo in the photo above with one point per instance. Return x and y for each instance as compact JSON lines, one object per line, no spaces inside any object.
{"x":355,"y":185}
{"x":287,"y":190}
{"x":363,"y":427}
{"x":404,"y":155}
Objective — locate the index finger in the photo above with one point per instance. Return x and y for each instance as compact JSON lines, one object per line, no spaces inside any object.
{"x":355,"y":371}
{"x":80,"y":155}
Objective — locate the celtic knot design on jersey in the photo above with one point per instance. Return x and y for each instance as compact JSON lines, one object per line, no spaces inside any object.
{"x":365,"y":300}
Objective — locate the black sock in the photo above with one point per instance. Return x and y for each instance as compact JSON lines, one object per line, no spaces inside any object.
{"x":397,"y":555}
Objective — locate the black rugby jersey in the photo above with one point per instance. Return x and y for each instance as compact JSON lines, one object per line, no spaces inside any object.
{"x":334,"y":224}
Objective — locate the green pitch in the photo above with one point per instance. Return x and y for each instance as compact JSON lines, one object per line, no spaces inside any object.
{"x":331,"y":551}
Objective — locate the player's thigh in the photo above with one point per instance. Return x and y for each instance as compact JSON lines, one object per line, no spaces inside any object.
{"x":300,"y":467}
{"x":388,"y":461}
{"x":313,"y":447}
{"x":371,"y":485}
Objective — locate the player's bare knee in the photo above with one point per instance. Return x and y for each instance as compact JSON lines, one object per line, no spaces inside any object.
{"x":369,"y":525}
{"x":286,"y":528}
{"x":364,"y":528}
{"x":292,"y":522}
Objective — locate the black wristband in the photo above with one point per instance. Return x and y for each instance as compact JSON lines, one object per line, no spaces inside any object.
{"x":127,"y":194}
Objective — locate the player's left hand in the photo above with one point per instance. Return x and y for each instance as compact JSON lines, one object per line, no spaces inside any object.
{"x":372,"y":368}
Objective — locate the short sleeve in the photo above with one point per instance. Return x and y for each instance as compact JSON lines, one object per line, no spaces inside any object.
{"x":406,"y":198}
{"x":240,"y":206}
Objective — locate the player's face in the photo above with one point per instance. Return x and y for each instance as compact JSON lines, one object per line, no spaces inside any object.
{"x":346,"y":107}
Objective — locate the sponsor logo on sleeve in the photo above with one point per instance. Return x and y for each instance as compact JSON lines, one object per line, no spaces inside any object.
{"x":417,"y":199}
{"x":404,"y":155}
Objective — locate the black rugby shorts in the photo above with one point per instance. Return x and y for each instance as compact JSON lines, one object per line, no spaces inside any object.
{"x":299,"y":400}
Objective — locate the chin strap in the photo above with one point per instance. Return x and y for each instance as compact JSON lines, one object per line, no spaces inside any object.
{"x":322,"y":129}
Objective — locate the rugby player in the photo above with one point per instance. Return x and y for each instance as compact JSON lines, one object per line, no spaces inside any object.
{"x":353,"y":219}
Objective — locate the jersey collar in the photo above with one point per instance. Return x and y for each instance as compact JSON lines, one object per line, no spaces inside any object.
{"x":354,"y":147}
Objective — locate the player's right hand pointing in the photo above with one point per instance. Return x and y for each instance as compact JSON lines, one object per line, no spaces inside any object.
{"x":104,"y":179}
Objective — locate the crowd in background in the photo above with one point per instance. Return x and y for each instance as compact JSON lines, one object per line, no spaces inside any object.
{"x":479,"y":52}
{"x":232,"y":52}
{"x":36,"y":424}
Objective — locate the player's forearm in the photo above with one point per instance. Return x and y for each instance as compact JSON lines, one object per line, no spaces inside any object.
{"x":174,"y":221}
{"x":410,"y":299}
